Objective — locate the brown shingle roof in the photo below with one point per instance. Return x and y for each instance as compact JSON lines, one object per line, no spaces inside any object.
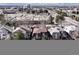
{"x":40,"y":29}
{"x":36,"y":30}
{"x":43,"y":29}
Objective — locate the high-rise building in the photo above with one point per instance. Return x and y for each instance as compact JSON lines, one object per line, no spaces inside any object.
{"x":28,"y":6}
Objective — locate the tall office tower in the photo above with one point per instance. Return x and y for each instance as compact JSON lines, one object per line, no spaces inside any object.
{"x":28,"y":6}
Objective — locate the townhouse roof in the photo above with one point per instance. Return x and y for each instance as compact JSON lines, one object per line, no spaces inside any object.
{"x":9,"y":11}
{"x":22,"y":28}
{"x":39,"y":29}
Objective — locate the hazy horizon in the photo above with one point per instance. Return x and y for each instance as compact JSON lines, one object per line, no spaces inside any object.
{"x":40,"y":4}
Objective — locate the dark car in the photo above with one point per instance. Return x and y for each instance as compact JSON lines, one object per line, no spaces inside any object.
{"x":65,"y":36}
{"x":61,"y":35}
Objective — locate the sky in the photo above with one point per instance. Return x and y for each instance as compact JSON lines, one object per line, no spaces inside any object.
{"x":39,"y":1}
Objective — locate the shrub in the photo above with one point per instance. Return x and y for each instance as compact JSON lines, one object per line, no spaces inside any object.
{"x":19,"y":36}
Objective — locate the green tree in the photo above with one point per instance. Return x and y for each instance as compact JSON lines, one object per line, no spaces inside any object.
{"x":28,"y":11}
{"x":72,"y":16}
{"x":2,"y":19}
{"x":51,"y":20}
{"x":11,"y":23}
{"x":63,"y":14}
{"x":1,"y":15}
{"x":77,"y":18}
{"x":33,"y":11}
{"x":58,"y":12}
{"x":59,"y":19}
{"x":19,"y":36}
{"x":44,"y":37}
{"x":45,"y":11}
{"x":41,"y":11}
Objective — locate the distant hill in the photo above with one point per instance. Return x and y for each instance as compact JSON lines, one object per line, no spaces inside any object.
{"x":40,"y":4}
